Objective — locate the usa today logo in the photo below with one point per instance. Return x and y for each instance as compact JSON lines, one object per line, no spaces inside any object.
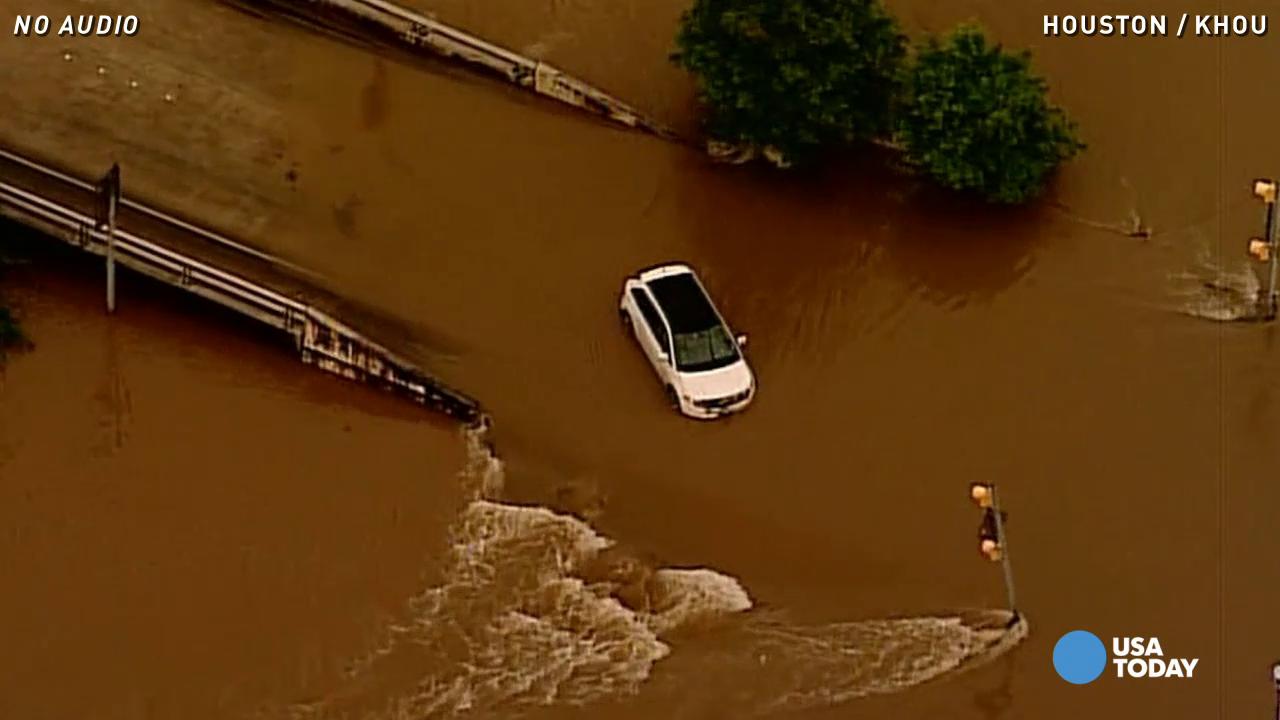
{"x":1080,"y":658}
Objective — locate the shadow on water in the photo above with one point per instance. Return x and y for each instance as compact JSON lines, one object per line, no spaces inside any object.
{"x":12,"y":337}
{"x":995,"y":701}
{"x":954,"y":250}
{"x":857,"y":222}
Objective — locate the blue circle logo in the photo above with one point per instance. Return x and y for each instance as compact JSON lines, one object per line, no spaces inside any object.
{"x":1079,"y":657}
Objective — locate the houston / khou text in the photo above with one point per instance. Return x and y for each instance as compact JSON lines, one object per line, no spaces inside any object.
{"x":75,"y":25}
{"x":1155,"y":25}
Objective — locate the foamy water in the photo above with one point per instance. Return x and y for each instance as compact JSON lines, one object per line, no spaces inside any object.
{"x":537,"y":608}
{"x":801,"y":667}
{"x":1222,"y":294}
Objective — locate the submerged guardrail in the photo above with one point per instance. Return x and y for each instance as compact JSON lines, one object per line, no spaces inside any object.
{"x":321,"y":339}
{"x":420,"y":31}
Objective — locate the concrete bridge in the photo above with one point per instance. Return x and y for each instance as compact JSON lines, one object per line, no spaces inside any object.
{"x":398,"y":25}
{"x":256,"y":284}
{"x":232,"y":274}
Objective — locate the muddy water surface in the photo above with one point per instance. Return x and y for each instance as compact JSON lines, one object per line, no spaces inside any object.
{"x":193,"y":525}
{"x":907,"y":343}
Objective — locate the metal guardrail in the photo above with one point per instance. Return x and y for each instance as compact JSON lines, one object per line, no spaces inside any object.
{"x":147,"y":255}
{"x":320,"y":338}
{"x":417,"y":30}
{"x":431,"y":25}
{"x":154,"y":214}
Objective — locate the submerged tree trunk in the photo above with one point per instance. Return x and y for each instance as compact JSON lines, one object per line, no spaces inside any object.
{"x":10,"y":333}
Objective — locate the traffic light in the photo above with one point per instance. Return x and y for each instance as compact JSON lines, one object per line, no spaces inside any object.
{"x":1265,"y":190}
{"x":1267,"y":249}
{"x":1275,"y":678}
{"x":990,"y":532}
{"x":1259,"y":249}
{"x":981,"y":494}
{"x":992,"y":542}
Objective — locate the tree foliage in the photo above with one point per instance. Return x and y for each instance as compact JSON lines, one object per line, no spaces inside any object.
{"x":794,"y":75}
{"x":975,"y":118}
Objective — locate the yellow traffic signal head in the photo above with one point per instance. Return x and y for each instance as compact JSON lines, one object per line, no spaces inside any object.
{"x":990,"y":549}
{"x":1265,"y":190}
{"x":981,"y":494}
{"x":1259,"y":249}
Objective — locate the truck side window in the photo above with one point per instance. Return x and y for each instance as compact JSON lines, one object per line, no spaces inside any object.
{"x":652,"y":319}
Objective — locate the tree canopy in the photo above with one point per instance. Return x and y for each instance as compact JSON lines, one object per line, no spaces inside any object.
{"x":790,"y":78}
{"x":975,"y":117}
{"x":792,"y":75}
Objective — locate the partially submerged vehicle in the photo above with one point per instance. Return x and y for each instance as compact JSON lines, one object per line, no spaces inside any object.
{"x":697,"y":358}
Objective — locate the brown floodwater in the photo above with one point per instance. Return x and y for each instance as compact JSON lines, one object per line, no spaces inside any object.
{"x":192,"y":525}
{"x":906,"y":342}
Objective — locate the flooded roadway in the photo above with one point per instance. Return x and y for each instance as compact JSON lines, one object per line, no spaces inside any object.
{"x":192,"y":526}
{"x":906,"y":344}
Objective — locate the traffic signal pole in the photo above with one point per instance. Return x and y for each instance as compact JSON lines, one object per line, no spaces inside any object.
{"x":1267,"y":248}
{"x":1006,"y":566}
{"x":1275,"y":678}
{"x":993,"y":543}
{"x":1275,"y":258}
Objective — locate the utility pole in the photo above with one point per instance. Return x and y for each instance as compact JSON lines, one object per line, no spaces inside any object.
{"x":109,"y":196}
{"x":1265,"y":249}
{"x":992,"y":541}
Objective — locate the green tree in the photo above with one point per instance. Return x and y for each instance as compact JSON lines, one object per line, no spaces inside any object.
{"x":975,"y":118}
{"x":793,"y":75}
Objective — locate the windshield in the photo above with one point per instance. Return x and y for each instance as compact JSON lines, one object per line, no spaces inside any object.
{"x":705,"y":350}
